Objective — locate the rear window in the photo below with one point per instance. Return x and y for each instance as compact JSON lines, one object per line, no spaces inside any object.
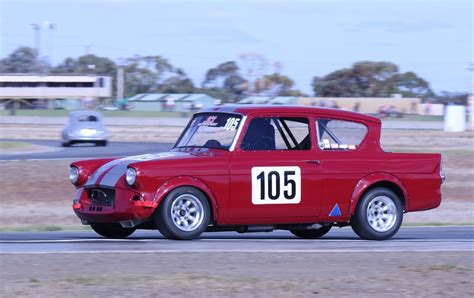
{"x":334,"y":134}
{"x":87,"y":118}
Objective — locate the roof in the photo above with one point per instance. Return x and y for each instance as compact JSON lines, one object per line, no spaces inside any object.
{"x":85,"y":112}
{"x":246,"y":109}
{"x":47,"y":78}
{"x":269,"y":99}
{"x":188,"y":97}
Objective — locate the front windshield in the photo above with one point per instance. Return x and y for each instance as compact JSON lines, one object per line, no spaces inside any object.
{"x":210,"y":130}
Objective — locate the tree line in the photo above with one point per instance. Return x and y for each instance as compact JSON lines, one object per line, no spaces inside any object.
{"x":250,"y":74}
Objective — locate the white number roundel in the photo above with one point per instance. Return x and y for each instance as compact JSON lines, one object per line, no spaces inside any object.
{"x":276,"y":185}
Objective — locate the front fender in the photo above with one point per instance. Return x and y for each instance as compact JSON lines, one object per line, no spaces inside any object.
{"x":369,"y":180}
{"x":179,"y":181}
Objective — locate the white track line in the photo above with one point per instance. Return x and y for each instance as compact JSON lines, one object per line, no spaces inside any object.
{"x":178,"y":251}
{"x":321,"y":241}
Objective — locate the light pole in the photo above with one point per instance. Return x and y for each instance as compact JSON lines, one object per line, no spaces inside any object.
{"x":37,"y":29}
{"x":470,"y":96}
{"x":51,"y":27}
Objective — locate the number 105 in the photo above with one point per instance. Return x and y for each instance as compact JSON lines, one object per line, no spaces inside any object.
{"x":276,"y":185}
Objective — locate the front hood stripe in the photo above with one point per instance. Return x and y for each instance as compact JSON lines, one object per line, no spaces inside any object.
{"x":109,"y":173}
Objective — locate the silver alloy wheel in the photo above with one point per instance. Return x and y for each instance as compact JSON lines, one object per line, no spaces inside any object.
{"x":381,"y":213}
{"x":187,"y":212}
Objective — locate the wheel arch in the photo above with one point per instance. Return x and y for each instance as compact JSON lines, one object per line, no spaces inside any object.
{"x":189,"y":181}
{"x":375,"y":180}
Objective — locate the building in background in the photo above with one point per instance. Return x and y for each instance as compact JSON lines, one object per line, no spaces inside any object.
{"x":171,"y":102}
{"x":53,"y":91}
{"x":368,"y":105}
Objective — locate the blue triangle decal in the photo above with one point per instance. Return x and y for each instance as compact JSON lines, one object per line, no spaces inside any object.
{"x":335,"y":211}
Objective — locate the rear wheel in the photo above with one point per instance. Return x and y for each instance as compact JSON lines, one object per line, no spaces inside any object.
{"x":312,"y":233}
{"x":184,"y":214}
{"x":66,"y":144}
{"x":378,"y":216}
{"x":112,"y":230}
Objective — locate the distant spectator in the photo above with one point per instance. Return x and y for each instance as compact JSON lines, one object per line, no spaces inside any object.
{"x":413,"y":107}
{"x":428,"y":108}
{"x":356,"y":107}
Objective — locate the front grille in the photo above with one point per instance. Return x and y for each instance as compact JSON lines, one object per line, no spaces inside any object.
{"x":101,"y":196}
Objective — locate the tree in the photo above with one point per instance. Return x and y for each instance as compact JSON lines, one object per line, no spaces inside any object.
{"x":370,"y":79}
{"x":458,"y":98}
{"x":225,"y":80}
{"x":23,"y":60}
{"x":155,"y":74}
{"x":274,"y":85}
{"x":87,"y":64}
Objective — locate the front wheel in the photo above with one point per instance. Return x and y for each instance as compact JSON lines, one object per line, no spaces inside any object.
{"x":312,"y":233}
{"x":112,"y":230}
{"x":378,"y":216}
{"x":184,"y":214}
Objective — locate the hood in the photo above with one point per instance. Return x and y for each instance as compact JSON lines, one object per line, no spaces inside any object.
{"x":109,"y":173}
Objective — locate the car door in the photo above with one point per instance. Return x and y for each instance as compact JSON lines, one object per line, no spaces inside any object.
{"x":275,"y":174}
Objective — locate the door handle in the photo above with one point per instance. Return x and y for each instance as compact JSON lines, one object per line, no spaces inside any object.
{"x":316,"y":161}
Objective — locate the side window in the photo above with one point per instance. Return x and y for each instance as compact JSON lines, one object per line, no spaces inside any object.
{"x":336,"y":134}
{"x":277,"y":133}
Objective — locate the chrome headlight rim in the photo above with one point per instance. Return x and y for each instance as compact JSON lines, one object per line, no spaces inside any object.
{"x":74,"y":174}
{"x":131,"y":176}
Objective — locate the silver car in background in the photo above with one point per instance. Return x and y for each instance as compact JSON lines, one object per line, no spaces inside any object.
{"x":85,"y":127}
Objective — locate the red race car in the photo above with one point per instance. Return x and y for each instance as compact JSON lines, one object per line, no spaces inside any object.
{"x":258,"y":168}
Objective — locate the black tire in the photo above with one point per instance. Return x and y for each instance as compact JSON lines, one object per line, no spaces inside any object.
{"x":313,"y":233}
{"x":65,"y":144}
{"x":170,"y":226}
{"x":112,"y":230}
{"x":370,"y":229}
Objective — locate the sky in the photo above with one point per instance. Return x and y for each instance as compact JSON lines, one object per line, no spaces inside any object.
{"x":432,"y":38}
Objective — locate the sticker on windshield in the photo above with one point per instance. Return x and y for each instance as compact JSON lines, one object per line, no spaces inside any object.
{"x":210,"y":121}
{"x":276,"y":185}
{"x":232,"y":124}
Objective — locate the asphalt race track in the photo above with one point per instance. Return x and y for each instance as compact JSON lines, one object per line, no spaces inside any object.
{"x":408,"y":239}
{"x":113,"y":149}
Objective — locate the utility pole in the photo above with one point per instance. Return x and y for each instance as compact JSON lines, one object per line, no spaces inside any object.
{"x":51,"y":27}
{"x":120,"y":82}
{"x":37,"y":30}
{"x":470,"y":96}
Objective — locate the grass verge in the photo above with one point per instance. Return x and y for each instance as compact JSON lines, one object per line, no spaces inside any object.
{"x":7,"y":145}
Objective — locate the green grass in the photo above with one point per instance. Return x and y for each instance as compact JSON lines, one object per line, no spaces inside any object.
{"x":64,"y":113}
{"x":13,"y":145}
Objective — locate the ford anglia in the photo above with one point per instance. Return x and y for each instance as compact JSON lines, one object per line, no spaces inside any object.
{"x":250,"y":168}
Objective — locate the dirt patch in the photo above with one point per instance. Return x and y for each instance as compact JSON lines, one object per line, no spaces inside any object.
{"x":398,"y":274}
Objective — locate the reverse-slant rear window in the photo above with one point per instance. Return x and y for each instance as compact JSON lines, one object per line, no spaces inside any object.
{"x":334,"y":134}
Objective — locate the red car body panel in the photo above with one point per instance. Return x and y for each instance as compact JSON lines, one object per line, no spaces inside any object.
{"x":328,"y":178}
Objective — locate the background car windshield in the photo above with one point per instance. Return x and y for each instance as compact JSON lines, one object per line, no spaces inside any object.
{"x":211,"y":131}
{"x":87,"y":118}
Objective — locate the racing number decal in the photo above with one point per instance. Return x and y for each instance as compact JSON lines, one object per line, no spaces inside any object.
{"x":276,"y":185}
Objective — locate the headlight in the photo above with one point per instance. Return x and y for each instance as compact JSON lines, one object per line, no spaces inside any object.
{"x":441,"y":172}
{"x":131,"y":176}
{"x":73,"y":174}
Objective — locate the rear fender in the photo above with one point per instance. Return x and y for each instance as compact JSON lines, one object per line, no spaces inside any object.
{"x":371,"y":179}
{"x":176,"y":182}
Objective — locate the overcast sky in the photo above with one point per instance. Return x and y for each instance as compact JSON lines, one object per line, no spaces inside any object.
{"x":309,"y":38}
